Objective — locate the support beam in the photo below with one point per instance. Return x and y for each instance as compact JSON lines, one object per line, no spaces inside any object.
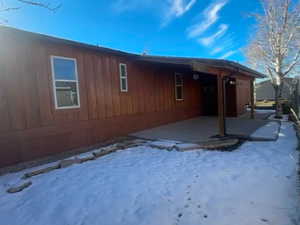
{"x":252,"y":104}
{"x":221,"y":106}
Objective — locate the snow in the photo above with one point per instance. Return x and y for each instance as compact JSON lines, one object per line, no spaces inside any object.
{"x":262,"y":110}
{"x":285,"y":118}
{"x":269,"y":131}
{"x":253,"y":185}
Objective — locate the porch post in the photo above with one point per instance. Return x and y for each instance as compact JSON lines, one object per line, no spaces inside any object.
{"x":221,"y":108}
{"x":252,"y":99}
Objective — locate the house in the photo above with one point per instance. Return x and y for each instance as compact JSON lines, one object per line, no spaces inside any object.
{"x":265,"y":90}
{"x":58,"y":95}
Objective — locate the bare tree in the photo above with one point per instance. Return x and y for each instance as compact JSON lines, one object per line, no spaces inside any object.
{"x":7,"y":5}
{"x":275,"y":47}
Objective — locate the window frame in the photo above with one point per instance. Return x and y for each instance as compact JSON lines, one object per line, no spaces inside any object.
{"x":123,"y":77}
{"x":52,"y":57}
{"x":179,"y":85}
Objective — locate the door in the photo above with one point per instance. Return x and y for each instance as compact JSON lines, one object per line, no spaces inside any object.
{"x":210,"y":99}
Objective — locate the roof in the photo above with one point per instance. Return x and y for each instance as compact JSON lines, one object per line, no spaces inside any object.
{"x":216,"y":63}
{"x":188,"y":61}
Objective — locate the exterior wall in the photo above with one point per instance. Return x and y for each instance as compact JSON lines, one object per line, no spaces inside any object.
{"x":231,"y":100}
{"x":243,"y":96}
{"x":265,"y":90}
{"x":31,"y":127}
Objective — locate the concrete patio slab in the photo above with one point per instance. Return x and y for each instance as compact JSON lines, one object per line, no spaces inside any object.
{"x":202,"y":129}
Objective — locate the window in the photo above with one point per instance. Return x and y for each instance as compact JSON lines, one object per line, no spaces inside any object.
{"x":123,"y":78}
{"x":178,"y":86}
{"x":65,"y":82}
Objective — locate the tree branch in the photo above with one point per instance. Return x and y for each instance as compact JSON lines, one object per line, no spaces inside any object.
{"x":295,"y":61}
{"x":40,"y":4}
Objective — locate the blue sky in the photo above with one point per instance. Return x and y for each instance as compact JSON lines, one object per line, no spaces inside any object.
{"x":196,"y":28}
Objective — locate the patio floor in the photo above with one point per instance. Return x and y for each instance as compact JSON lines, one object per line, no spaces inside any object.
{"x":202,"y":129}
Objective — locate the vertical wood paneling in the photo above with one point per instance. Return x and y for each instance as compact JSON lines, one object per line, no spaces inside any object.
{"x":156,"y":92}
{"x":139,"y":91}
{"x":38,"y":129}
{"x":129,"y":93}
{"x":42,"y":65}
{"x":115,"y":86}
{"x":29,"y":81}
{"x":90,"y":76}
{"x":107,"y":87}
{"x":99,"y":80}
{"x":82,"y":113}
{"x":133,"y":90}
{"x":4,"y":109}
{"x":15,"y":92}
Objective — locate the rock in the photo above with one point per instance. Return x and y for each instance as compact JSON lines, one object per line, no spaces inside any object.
{"x":88,"y":158}
{"x":187,"y":147}
{"x":40,"y":171}
{"x":68,"y":162}
{"x":132,"y":145}
{"x":167,"y":145}
{"x":105,"y":151}
{"x":19,"y":188}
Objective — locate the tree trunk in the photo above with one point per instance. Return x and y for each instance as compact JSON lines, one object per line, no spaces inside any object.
{"x":278,"y":106}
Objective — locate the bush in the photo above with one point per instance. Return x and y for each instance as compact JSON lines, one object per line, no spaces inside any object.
{"x":286,"y":108}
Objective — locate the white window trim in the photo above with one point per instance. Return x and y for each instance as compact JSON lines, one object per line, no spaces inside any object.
{"x":178,"y":85}
{"x":123,"y":77}
{"x":52,"y":57}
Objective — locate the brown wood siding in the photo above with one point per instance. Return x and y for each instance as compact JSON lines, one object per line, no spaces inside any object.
{"x":243,"y":96}
{"x":31,"y":127}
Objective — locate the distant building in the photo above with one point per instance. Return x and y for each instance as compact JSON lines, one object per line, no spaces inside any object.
{"x":265,"y":90}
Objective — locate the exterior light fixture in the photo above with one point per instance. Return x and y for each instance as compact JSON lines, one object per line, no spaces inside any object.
{"x":232,"y":82}
{"x":196,"y":76}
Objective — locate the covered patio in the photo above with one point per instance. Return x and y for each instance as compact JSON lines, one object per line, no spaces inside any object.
{"x":205,"y":128}
{"x":223,"y":85}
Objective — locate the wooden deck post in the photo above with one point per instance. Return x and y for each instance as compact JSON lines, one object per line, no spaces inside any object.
{"x":252,"y":99}
{"x":221,"y":108}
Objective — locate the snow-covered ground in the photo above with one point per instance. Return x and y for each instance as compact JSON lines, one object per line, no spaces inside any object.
{"x":262,"y":110}
{"x":284,"y":118}
{"x":269,"y":131}
{"x":253,"y":185}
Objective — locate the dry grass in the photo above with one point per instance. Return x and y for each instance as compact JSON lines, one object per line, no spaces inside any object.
{"x":264,"y":103}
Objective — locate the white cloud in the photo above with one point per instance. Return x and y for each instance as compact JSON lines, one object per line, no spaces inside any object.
{"x":177,"y":8}
{"x":211,"y":16}
{"x":180,"y":7}
{"x":216,"y":50}
{"x":168,"y":9}
{"x":206,"y":41}
{"x":224,"y":45}
{"x":228,"y":54}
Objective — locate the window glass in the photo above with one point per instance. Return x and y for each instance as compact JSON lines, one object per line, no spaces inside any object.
{"x":123,"y":78}
{"x":123,"y":84}
{"x":179,"y":79}
{"x":64,"y":69}
{"x":66,"y":94}
{"x":178,"y":86}
{"x":65,"y":82}
{"x":179,"y":92}
{"x":123,"y":70}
